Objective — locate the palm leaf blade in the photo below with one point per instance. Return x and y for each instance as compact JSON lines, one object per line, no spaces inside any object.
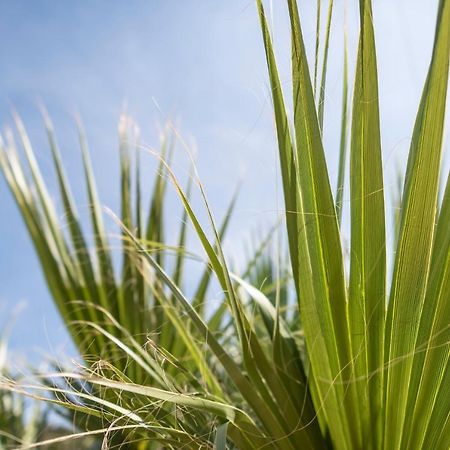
{"x":413,"y":255}
{"x":368,"y":249}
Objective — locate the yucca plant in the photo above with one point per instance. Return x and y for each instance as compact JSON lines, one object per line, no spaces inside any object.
{"x":363,"y":364}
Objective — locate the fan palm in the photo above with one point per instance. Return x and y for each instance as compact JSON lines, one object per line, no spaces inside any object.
{"x":364,"y":363}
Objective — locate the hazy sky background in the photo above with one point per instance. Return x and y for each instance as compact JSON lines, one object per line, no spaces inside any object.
{"x":199,"y":62}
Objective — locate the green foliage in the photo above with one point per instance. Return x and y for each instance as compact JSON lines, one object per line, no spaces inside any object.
{"x":362,"y":362}
{"x":25,"y":423}
{"x":101,"y":305}
{"x":73,"y":272}
{"x":368,"y":365}
{"x":15,"y":428}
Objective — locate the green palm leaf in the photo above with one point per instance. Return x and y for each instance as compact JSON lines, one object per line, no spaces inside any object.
{"x":352,"y":367}
{"x":367,"y":288}
{"x":417,"y":229}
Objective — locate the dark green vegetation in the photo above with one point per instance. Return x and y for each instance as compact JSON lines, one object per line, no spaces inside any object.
{"x":360,"y":364}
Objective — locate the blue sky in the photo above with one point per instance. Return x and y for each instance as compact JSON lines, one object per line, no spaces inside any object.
{"x":200,"y":62}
